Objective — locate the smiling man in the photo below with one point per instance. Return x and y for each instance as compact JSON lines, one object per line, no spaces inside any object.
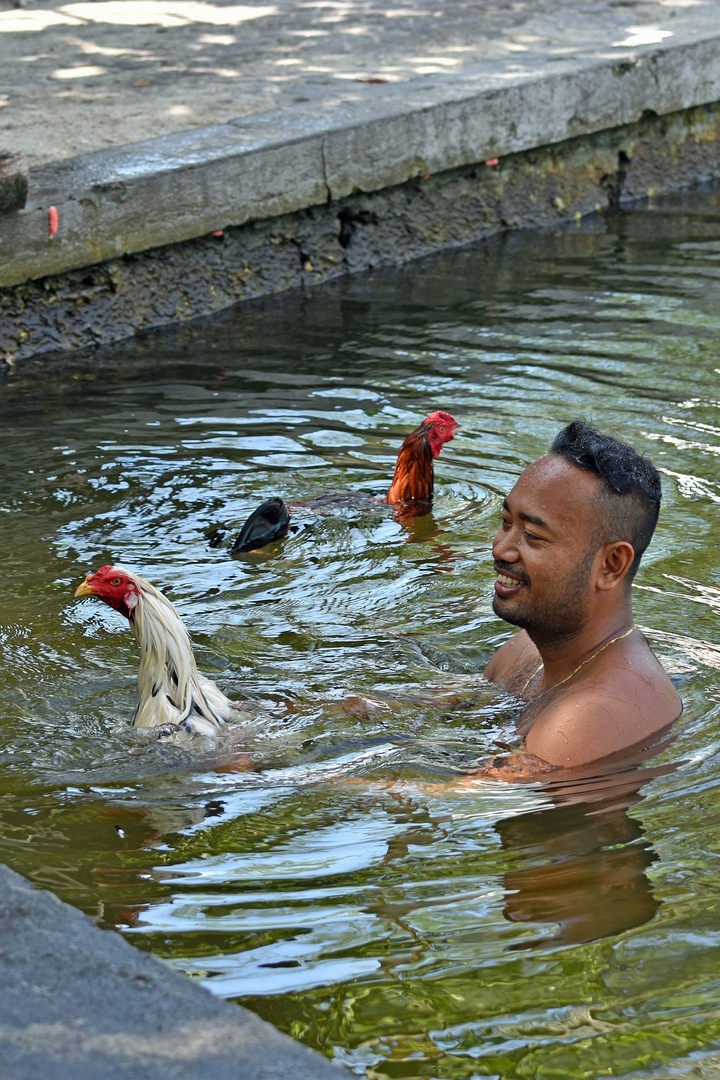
{"x":573,"y":531}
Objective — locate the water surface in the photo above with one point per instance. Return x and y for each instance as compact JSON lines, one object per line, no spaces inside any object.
{"x":438,"y":930}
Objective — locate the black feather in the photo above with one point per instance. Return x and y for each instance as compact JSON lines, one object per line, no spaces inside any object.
{"x":269,"y":522}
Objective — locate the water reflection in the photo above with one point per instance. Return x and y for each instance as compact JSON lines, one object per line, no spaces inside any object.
{"x":582,"y":862}
{"x":580,"y":867}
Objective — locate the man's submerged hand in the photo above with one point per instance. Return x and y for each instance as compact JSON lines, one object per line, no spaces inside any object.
{"x":516,"y":767}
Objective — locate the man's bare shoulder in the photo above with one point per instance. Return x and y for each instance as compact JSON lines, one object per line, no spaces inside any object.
{"x":601,"y":717}
{"x":512,"y":659}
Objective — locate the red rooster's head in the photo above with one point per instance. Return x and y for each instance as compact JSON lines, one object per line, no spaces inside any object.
{"x":440,"y":428}
{"x":113,"y":585}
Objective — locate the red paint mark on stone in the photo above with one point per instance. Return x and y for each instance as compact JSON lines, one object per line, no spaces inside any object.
{"x":492,"y":161}
{"x":52,"y":221}
{"x":218,"y":232}
{"x":426,"y":176}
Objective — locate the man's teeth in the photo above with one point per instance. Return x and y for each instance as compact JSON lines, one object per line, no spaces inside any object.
{"x":505,"y":580}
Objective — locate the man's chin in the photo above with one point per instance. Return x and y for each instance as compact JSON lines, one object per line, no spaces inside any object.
{"x":505,"y":610}
{"x":551,"y":627}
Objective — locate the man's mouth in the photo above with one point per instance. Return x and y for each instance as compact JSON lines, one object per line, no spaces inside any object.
{"x":506,"y":585}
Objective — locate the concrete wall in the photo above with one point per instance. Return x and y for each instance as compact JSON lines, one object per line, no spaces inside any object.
{"x":183,"y":225}
{"x":113,"y":299}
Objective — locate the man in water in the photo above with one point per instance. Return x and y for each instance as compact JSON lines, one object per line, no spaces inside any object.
{"x":574,"y":529}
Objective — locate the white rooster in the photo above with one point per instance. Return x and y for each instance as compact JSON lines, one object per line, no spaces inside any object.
{"x":171,"y":689}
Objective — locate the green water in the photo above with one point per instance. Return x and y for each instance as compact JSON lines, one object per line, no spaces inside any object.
{"x":434,"y":931}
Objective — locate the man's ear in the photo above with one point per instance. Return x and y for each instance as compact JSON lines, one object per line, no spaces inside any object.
{"x":615,"y":562}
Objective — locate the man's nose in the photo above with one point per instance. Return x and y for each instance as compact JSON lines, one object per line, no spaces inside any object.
{"x":505,"y":546}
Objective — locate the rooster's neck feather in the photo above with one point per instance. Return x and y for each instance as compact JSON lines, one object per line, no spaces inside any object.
{"x":414,"y":474}
{"x":171,"y":689}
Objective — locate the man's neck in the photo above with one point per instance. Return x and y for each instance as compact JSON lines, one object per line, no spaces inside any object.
{"x":560,"y":657}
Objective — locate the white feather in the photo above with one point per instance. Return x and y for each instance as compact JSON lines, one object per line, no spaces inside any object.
{"x":171,"y":689}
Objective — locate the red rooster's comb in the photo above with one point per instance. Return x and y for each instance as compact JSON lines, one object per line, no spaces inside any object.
{"x":442,"y":418}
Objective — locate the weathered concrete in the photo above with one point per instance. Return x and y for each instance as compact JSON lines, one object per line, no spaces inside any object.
{"x":85,"y":77}
{"x":536,"y":188}
{"x":13,"y":181}
{"x":79,"y":1002}
{"x":582,"y":111}
{"x":182,"y":186}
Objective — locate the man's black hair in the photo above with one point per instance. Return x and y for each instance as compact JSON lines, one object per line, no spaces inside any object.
{"x":629,"y":497}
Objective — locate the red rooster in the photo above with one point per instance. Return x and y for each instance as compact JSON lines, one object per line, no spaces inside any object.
{"x":414,"y":472}
{"x":412,"y":483}
{"x":172,"y":693}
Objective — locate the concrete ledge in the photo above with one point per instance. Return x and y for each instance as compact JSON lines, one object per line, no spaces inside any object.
{"x":179,"y":226}
{"x":182,"y":186}
{"x":539,"y":187}
{"x":79,"y":1002}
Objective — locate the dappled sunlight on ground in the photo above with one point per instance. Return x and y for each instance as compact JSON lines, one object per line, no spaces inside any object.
{"x":131,"y":13}
{"x":83,"y":76}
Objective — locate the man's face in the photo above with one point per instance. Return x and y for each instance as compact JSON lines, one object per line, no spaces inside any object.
{"x":544,"y":551}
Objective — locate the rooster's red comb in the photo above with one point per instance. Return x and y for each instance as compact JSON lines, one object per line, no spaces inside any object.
{"x":441,"y":418}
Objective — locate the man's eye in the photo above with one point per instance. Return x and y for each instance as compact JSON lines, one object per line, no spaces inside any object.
{"x":532,"y":536}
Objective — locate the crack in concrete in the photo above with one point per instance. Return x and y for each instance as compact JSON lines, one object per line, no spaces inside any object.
{"x":324,"y":163}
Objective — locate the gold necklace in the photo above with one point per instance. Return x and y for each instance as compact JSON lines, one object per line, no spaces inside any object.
{"x":582,"y":665}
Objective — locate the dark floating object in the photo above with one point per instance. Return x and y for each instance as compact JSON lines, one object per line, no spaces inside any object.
{"x":269,"y":522}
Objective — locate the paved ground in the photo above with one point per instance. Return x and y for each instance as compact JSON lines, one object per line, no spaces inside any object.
{"x":79,"y":77}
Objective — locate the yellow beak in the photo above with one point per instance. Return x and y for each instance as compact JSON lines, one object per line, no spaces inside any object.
{"x":85,"y":589}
